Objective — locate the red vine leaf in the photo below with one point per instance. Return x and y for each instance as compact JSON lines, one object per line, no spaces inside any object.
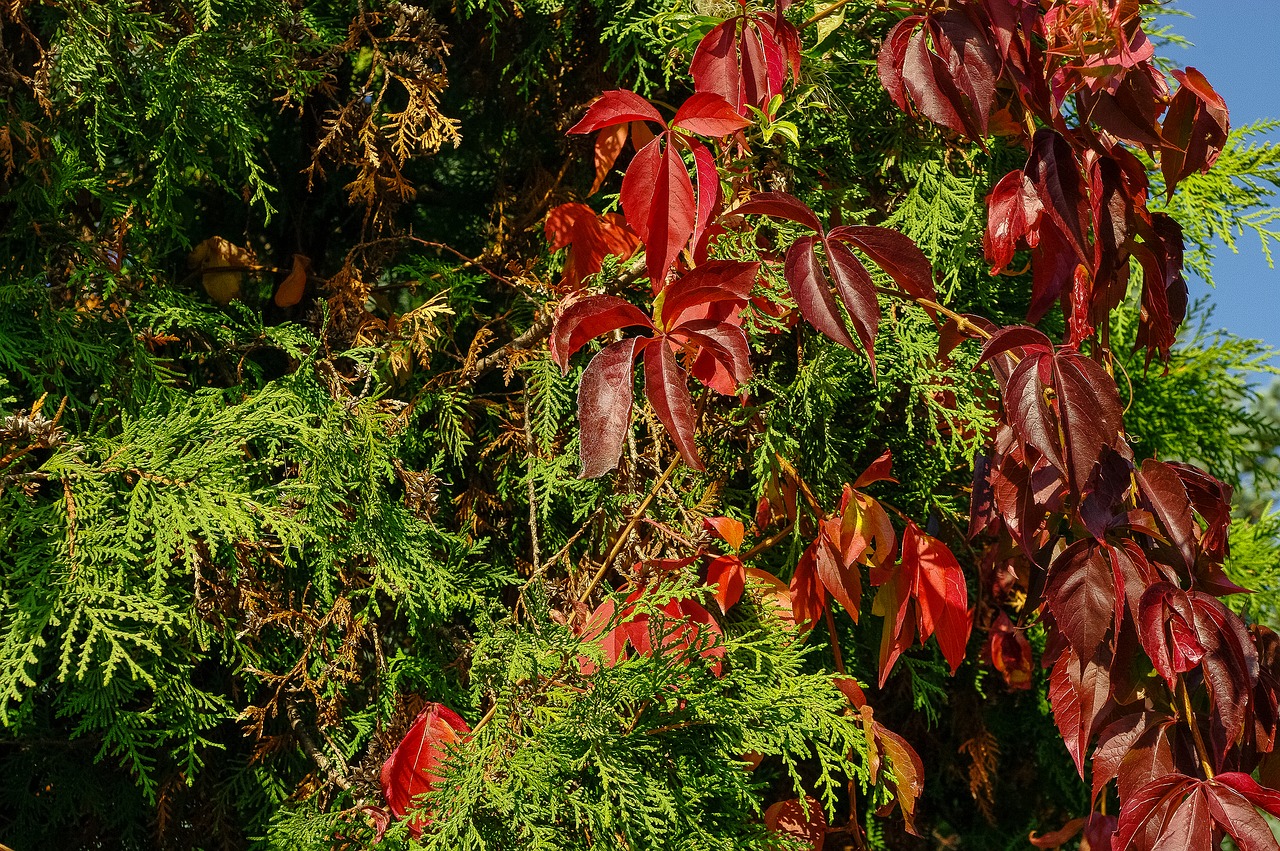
{"x":668,"y":391}
{"x":414,"y":766}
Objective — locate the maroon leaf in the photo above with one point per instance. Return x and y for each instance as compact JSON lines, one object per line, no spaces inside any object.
{"x":604,"y":405}
{"x":588,"y":318}
{"x":1115,"y":742}
{"x":668,"y":391}
{"x":1055,"y":172}
{"x":1081,"y":594}
{"x":725,"y":361}
{"x":616,"y":107}
{"x":780,"y":205}
{"x":1023,"y":338}
{"x":1164,"y":494}
{"x":894,"y":252}
{"x":893,"y":57}
{"x":812,"y":292}
{"x":1150,"y":805}
{"x":858,"y":292}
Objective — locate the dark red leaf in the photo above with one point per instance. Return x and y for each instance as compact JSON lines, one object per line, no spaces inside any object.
{"x":588,"y":318}
{"x":1195,"y":129}
{"x":713,"y":281}
{"x":1150,"y":806}
{"x":808,"y":597}
{"x":858,"y":292}
{"x":1080,"y":593}
{"x":1010,"y":653}
{"x":604,"y":405}
{"x":616,"y":107}
{"x":1013,"y":215}
{"x":1164,"y":494}
{"x":1115,"y":742}
{"x":812,"y":292}
{"x":1055,"y":172}
{"x":780,"y":205}
{"x":724,"y":364}
{"x":928,"y":81}
{"x":894,"y":252}
{"x":1022,"y":338}
{"x":893,"y":57}
{"x":668,"y":391}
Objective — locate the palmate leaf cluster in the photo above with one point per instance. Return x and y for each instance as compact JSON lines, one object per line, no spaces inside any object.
{"x":245,"y":544}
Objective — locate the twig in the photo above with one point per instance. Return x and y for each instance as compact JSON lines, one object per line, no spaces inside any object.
{"x":1190,"y":717}
{"x":835,"y":640}
{"x":769,"y":542}
{"x":308,"y":744}
{"x":621,"y":540}
{"x":536,"y":332}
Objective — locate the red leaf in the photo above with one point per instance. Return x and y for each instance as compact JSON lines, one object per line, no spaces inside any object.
{"x":1164,"y":494}
{"x":1013,"y":215}
{"x":588,"y":318}
{"x":1023,"y":338}
{"x":413,"y":767}
{"x":726,"y":529}
{"x":789,"y":819}
{"x":841,"y":578}
{"x":892,"y":58}
{"x":672,"y":216}
{"x":808,"y":597}
{"x":668,"y":391}
{"x":708,"y":190}
{"x":590,"y":238}
{"x":715,"y":63}
{"x":1010,"y":653}
{"x":928,"y":81}
{"x":708,"y":114}
{"x":780,"y":205}
{"x":939,"y":592}
{"x":879,"y":470}
{"x":608,"y":146}
{"x":639,"y":185}
{"x":812,"y":293}
{"x":1115,"y":742}
{"x":1078,"y":692}
{"x":604,"y":405}
{"x":1055,"y":172}
{"x":1195,"y":129}
{"x":726,"y":574}
{"x":1149,"y":806}
{"x":713,"y":281}
{"x":616,"y":107}
{"x":725,"y":360}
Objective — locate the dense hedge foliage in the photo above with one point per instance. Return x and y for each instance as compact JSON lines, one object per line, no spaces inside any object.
{"x":285,"y":457}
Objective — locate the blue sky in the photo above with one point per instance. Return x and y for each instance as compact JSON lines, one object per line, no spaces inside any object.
{"x":1237,"y":46}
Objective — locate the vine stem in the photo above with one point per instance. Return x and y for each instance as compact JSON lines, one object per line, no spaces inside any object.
{"x":1189,"y":716}
{"x":769,"y":542}
{"x":835,"y":640}
{"x":621,"y":540}
{"x":960,"y":319}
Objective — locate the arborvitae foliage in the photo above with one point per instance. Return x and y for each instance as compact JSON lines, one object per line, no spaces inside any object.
{"x":284,"y":456}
